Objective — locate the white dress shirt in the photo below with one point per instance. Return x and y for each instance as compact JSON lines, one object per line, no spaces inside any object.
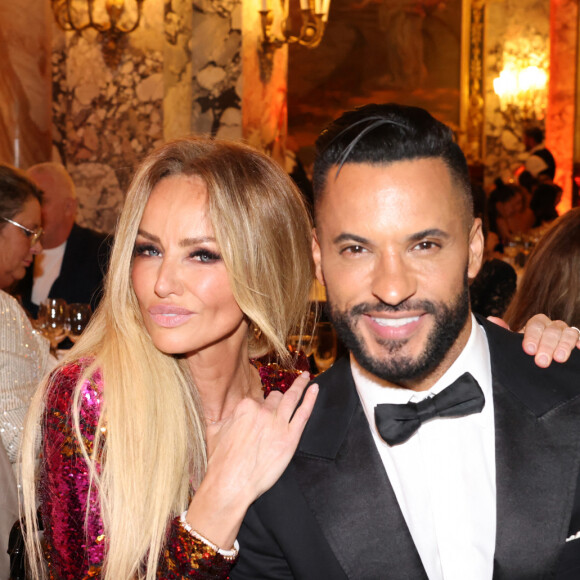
{"x":535,"y":164}
{"x":46,"y":270}
{"x":444,"y":475}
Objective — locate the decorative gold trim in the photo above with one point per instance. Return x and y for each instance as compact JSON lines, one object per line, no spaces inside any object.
{"x":474,"y":146}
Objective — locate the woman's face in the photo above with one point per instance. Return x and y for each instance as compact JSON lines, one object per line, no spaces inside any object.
{"x":178,"y":274}
{"x":507,"y":208}
{"x":16,"y":253}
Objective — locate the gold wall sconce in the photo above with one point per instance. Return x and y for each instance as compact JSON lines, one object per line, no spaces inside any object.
{"x":314,"y":15}
{"x":79,"y":15}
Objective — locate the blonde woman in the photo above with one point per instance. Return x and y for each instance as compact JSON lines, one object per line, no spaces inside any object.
{"x":211,"y":268}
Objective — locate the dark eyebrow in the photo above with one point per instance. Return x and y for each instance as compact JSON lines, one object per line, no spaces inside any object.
{"x":430,"y":233}
{"x":185,"y":243}
{"x":346,"y":237}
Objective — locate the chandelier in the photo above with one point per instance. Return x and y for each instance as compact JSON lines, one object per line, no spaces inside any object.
{"x":524,"y":89}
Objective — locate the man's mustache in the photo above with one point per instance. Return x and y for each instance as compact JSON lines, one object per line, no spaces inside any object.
{"x":405,"y":306}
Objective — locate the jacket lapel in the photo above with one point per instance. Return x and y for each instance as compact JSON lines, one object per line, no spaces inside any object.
{"x":341,"y":475}
{"x":537,"y":457}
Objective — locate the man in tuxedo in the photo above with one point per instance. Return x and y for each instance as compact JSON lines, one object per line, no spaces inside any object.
{"x":74,"y":259}
{"x":437,"y":449}
{"x":540,"y":162}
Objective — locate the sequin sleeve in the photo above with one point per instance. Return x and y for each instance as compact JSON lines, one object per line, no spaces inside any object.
{"x":74,"y":549}
{"x":187,"y":557}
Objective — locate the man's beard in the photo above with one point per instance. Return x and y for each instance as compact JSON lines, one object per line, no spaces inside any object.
{"x":449,"y":320}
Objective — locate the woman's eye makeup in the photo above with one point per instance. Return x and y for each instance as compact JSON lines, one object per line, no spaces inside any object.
{"x":205,"y":256}
{"x":198,"y":254}
{"x":145,"y":249}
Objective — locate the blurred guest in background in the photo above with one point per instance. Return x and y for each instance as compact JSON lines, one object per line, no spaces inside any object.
{"x":545,"y":198}
{"x":523,"y":218}
{"x":540,"y":162}
{"x":492,"y":289}
{"x":501,"y":205}
{"x":74,"y":260}
{"x":528,"y":182}
{"x":24,"y":354}
{"x":551,"y":280}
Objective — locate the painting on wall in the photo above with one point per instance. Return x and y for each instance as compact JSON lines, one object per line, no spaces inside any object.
{"x":373,"y":51}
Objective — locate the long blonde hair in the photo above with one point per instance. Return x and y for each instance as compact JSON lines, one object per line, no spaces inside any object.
{"x":154,"y":449}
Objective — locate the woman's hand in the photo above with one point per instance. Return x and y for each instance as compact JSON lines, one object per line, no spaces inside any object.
{"x":248,"y":454}
{"x":547,"y":339}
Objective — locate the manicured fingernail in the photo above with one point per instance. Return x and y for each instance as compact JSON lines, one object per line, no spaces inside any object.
{"x":560,"y":354}
{"x":544,"y":360}
{"x":531,"y":348}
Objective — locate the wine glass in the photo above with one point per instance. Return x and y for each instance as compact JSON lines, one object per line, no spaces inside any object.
{"x":304,"y":339}
{"x":301,"y":342}
{"x":77,"y":318}
{"x":52,"y":320}
{"x":325,"y":346}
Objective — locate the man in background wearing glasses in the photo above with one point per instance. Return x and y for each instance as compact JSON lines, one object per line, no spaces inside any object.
{"x":74,"y":260}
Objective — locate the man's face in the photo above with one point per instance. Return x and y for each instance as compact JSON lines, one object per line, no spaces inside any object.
{"x":529,"y":143}
{"x":394,"y":248}
{"x":58,"y":208}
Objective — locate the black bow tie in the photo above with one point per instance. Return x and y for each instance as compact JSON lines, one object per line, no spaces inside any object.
{"x":396,"y":423}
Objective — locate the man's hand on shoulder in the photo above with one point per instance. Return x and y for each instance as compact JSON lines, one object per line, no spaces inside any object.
{"x":546,"y":339}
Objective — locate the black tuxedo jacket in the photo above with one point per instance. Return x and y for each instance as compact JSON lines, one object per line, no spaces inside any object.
{"x":84,"y":264}
{"x":334,"y":515}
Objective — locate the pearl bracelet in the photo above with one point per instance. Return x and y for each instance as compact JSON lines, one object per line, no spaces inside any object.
{"x":229,"y":555}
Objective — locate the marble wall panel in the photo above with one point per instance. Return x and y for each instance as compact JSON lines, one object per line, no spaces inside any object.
{"x":106,"y":118}
{"x":177,"y":68}
{"x":180,"y":72}
{"x":216,"y":63}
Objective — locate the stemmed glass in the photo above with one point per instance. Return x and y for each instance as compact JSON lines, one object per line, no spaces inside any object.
{"x":306,"y":340}
{"x":77,"y":318}
{"x":325,"y":346}
{"x":52,"y":320}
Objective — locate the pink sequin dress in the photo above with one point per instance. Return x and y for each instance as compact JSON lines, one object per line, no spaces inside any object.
{"x":74,"y":548}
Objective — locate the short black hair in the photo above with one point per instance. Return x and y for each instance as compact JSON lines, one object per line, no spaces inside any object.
{"x":15,"y":190}
{"x":534,"y":133}
{"x":381,"y":134}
